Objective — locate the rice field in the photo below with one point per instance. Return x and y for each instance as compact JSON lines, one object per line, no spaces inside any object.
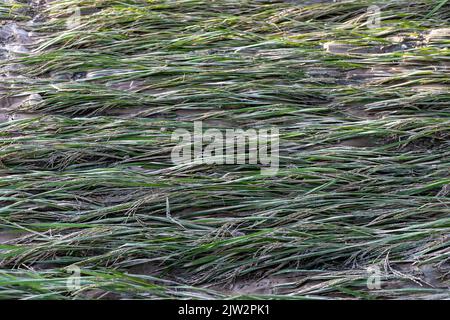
{"x":92,"y":206}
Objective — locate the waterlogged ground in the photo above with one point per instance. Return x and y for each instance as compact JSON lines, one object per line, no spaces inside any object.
{"x":92,"y":207}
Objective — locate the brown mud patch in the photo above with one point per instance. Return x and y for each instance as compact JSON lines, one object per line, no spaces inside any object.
{"x":10,"y":236}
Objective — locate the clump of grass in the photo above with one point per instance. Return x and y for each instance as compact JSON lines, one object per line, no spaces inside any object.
{"x":12,"y":11}
{"x":363,"y":179}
